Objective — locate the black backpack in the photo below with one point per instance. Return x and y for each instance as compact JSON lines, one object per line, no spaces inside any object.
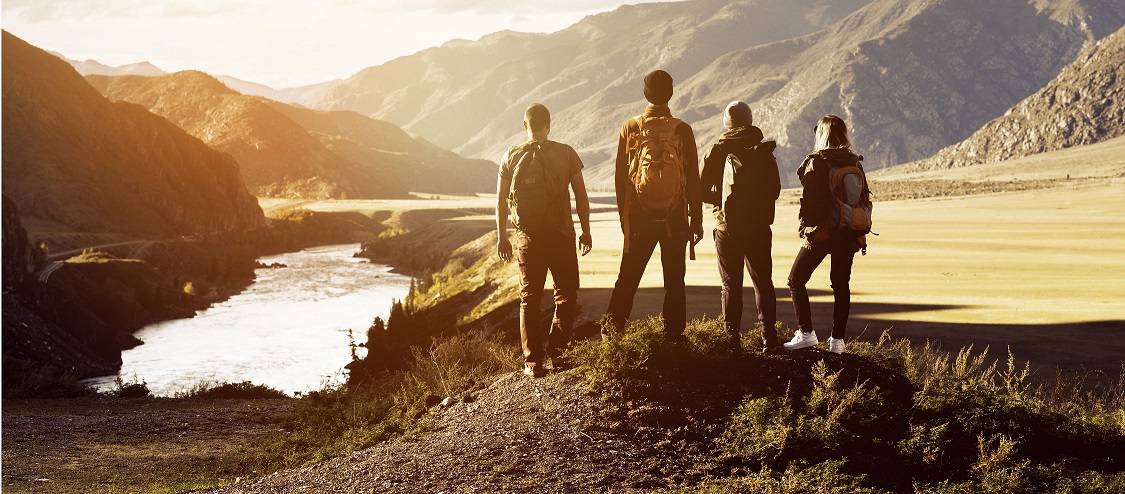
{"x":748,"y":190}
{"x":533,"y":197}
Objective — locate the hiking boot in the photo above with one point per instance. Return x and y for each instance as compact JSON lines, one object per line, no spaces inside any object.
{"x":534,"y":371}
{"x":802,"y":339}
{"x":835,"y":346}
{"x":774,"y":349}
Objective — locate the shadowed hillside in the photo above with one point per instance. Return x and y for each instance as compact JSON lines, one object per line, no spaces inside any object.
{"x":73,"y":157}
{"x":295,"y":152}
{"x":1085,"y":104}
{"x":911,"y":77}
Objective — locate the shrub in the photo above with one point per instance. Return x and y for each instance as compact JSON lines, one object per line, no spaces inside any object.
{"x":824,"y":477}
{"x":244,"y":390}
{"x":708,"y":339}
{"x":131,"y":389}
{"x":776,"y":430}
{"x":614,"y":358}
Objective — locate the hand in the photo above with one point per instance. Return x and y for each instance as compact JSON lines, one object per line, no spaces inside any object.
{"x":585,"y":243}
{"x":504,"y":249}
{"x":696,"y":232}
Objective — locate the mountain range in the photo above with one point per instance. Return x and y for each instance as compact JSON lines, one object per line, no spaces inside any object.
{"x":289,"y":151}
{"x":1085,"y":104}
{"x":74,"y":158}
{"x":910,"y":77}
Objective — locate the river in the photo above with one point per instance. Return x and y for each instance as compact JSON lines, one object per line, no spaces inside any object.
{"x":287,"y":330}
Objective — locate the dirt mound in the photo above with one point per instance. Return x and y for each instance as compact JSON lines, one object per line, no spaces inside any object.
{"x":554,"y":435}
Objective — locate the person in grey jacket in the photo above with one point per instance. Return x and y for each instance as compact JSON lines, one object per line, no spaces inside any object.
{"x":740,"y":180}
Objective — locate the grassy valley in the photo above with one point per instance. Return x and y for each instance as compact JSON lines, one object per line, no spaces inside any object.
{"x":984,"y":346}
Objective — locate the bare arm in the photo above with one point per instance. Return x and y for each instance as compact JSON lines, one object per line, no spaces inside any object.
{"x":503,"y":245}
{"x":582,"y":204}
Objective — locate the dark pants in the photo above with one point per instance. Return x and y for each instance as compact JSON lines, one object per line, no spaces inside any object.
{"x":536,"y":255}
{"x":751,"y":247}
{"x":673,"y":252}
{"x":808,"y":258}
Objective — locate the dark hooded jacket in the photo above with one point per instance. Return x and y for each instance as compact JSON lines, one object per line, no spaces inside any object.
{"x":759,"y":184}
{"x":815,"y":196}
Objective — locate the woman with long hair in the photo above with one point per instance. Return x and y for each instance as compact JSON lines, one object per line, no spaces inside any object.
{"x":822,"y":233}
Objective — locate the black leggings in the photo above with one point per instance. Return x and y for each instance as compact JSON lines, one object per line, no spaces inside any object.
{"x":808,"y":258}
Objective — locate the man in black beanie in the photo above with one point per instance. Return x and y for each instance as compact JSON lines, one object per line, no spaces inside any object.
{"x":658,"y":202}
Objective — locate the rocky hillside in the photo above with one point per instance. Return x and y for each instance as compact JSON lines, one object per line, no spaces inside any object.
{"x":19,"y":261}
{"x":74,"y":158}
{"x":911,"y":77}
{"x":1085,"y":104}
{"x":289,"y":151}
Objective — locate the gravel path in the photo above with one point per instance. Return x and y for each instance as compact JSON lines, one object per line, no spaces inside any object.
{"x":516,"y":435}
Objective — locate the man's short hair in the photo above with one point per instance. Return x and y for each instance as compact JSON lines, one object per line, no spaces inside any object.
{"x":537,"y":117}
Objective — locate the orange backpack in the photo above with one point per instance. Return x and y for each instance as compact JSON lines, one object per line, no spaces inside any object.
{"x":656,"y":165}
{"x":851,"y":210}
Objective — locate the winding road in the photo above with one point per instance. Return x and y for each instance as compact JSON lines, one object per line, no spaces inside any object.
{"x":58,"y":259}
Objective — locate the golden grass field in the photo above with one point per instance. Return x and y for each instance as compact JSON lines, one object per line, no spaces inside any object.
{"x":1041,"y":271}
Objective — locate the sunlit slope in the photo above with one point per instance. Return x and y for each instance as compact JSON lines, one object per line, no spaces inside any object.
{"x":289,"y":151}
{"x":911,"y":77}
{"x":1084,"y":104}
{"x":78,"y":161}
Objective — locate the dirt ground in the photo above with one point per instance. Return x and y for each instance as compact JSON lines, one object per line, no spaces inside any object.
{"x":131,"y":445}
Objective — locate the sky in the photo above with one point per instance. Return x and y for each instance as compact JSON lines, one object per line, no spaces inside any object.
{"x":280,"y":43}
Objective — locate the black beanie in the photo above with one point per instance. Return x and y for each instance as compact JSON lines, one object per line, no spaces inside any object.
{"x":658,"y":87}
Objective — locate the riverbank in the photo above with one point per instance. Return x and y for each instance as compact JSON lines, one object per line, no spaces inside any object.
{"x":71,"y":318}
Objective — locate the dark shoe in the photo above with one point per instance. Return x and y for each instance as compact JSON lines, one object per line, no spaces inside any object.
{"x":534,"y":371}
{"x":774,"y":349}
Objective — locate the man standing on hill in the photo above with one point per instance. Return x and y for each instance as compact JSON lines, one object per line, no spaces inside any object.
{"x":658,"y":202}
{"x":741,"y":181}
{"x":532,"y":186}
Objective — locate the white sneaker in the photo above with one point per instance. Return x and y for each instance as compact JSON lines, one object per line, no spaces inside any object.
{"x":835,"y":346}
{"x":802,"y":339}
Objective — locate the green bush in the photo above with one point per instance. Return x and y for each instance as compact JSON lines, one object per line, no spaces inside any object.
{"x":825,"y":477}
{"x":130,"y":389}
{"x":775,"y":430}
{"x":708,"y":339}
{"x":616,"y":357}
{"x":244,"y":390}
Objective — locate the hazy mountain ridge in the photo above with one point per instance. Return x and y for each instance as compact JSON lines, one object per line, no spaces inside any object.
{"x":289,"y":151}
{"x":911,"y":77}
{"x":73,"y":157}
{"x":1085,"y":104}
{"x":94,"y":67}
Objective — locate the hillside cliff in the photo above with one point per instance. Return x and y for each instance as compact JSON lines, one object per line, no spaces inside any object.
{"x":296,"y":152}
{"x":73,"y":157}
{"x":1085,"y":104}
{"x":18,"y":259}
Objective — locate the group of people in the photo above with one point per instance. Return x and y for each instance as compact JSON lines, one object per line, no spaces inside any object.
{"x":661,"y":188}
